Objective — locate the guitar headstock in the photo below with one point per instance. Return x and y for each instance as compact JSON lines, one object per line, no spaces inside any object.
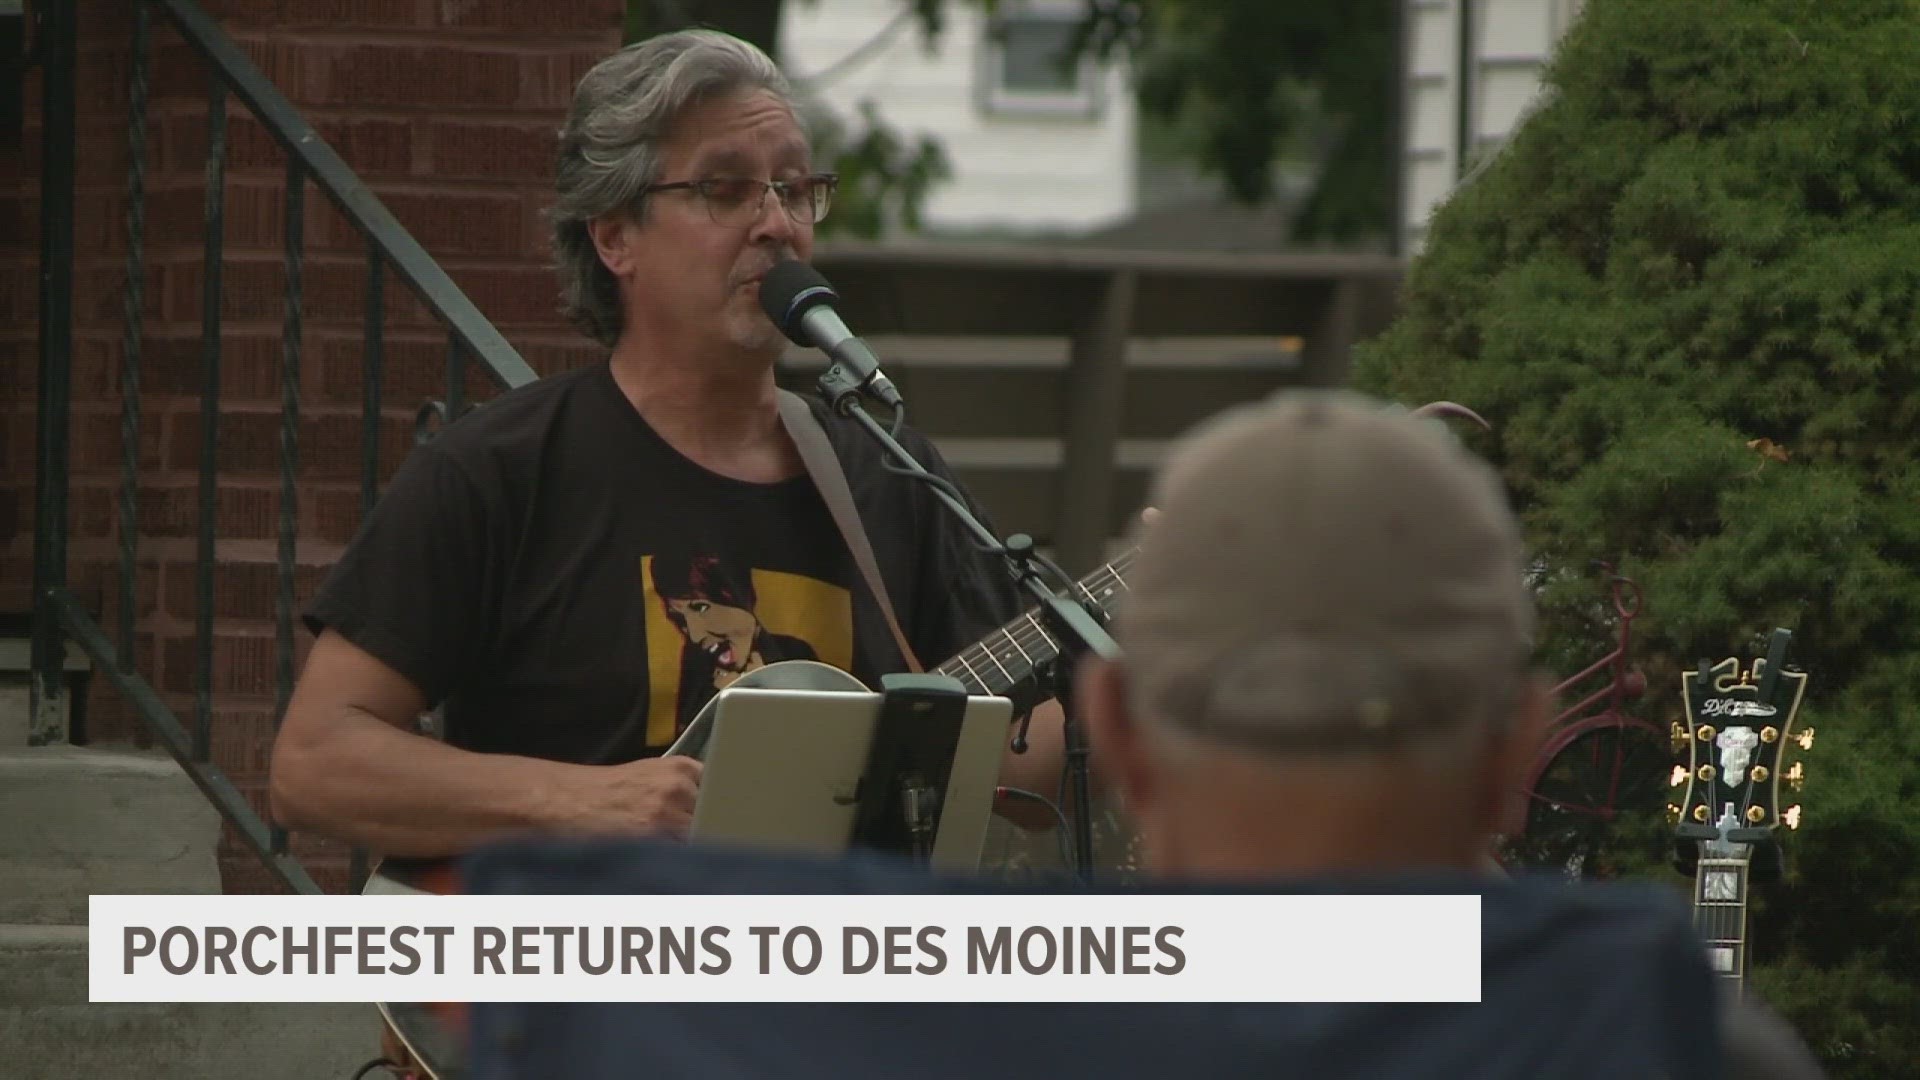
{"x":1731,"y":749}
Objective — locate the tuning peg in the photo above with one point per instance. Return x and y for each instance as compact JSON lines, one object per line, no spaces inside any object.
{"x":1792,"y":816}
{"x":1796,"y":775}
{"x":1679,"y":776}
{"x":1679,"y":736}
{"x":1805,"y":738}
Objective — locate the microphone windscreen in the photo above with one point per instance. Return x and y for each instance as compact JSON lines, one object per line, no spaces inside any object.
{"x":788,"y":290}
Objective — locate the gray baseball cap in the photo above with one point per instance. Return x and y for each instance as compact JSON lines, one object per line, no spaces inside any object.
{"x":1327,"y":571}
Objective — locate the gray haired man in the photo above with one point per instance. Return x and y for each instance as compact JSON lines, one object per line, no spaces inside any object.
{"x":511,"y":574}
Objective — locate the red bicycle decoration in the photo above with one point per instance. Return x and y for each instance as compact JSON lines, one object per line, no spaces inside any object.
{"x":1597,"y":758}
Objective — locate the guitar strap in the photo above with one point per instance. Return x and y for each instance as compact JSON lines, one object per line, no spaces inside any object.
{"x":824,"y":466}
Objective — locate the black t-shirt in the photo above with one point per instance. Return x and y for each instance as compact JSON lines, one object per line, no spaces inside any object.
{"x":568,"y":586}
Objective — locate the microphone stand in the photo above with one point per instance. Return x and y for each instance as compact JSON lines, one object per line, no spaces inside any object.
{"x":1068,"y":620}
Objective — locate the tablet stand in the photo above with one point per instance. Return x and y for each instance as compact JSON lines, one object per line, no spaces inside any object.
{"x":902,"y":791}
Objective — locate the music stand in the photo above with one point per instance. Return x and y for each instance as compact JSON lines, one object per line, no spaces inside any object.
{"x":822,"y":771}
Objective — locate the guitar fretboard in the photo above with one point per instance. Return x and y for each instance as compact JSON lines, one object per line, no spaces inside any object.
{"x":1720,"y":914}
{"x":1010,"y":655}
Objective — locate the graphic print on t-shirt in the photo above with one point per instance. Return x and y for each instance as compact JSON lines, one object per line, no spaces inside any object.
{"x":710,"y":621}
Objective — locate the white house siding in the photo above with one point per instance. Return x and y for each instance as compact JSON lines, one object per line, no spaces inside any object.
{"x":1510,"y":42}
{"x":1025,"y":172}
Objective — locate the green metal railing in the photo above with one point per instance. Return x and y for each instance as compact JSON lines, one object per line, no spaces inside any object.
{"x":58,"y":615}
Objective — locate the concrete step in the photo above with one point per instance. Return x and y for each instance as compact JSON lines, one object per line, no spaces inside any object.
{"x":85,"y":820}
{"x":16,"y":652}
{"x":50,"y":1031}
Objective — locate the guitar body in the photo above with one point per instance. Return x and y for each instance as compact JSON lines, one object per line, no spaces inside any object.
{"x":434,"y":1033}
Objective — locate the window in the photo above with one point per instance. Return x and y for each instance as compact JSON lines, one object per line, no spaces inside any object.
{"x":1025,"y":70}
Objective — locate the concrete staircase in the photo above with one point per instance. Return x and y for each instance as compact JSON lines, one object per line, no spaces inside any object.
{"x":80,"y":820}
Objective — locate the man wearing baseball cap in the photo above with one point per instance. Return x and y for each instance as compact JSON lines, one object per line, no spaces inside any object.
{"x":1326,"y":661}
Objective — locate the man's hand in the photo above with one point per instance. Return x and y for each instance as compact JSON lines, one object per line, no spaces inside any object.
{"x":653,"y":796}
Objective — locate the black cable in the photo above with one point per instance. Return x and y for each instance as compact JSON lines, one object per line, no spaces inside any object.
{"x":374,"y":1064}
{"x":1066,"y":856}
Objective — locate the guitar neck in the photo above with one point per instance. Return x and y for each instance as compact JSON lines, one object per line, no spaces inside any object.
{"x":1009,"y":656}
{"x":1720,"y":913}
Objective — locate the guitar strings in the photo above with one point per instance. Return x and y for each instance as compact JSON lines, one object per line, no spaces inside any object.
{"x":1027,"y":631}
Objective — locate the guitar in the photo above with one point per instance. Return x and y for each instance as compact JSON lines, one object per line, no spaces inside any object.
{"x":1739,"y":723}
{"x":434,"y":1032}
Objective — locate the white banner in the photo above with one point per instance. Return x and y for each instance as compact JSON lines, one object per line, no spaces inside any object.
{"x":748,"y":948}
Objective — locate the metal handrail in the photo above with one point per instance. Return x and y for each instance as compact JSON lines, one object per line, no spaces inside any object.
{"x":383,"y":232}
{"x":59,"y":615}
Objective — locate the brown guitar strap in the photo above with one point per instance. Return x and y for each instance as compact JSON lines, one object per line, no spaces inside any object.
{"x":824,"y":465}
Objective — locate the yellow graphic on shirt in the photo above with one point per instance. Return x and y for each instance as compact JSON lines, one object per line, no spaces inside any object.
{"x":710,"y":622}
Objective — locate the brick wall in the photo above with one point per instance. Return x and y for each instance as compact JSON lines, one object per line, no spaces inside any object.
{"x":446,"y":108}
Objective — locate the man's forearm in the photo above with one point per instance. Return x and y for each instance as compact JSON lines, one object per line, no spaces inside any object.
{"x":395,"y":793}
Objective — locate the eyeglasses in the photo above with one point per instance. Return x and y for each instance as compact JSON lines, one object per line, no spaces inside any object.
{"x":738,"y":200}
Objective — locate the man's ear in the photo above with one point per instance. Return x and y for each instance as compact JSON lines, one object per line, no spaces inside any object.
{"x":612,"y":239}
{"x":1101,"y":706}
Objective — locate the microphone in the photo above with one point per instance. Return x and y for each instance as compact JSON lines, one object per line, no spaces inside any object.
{"x":800,"y":302}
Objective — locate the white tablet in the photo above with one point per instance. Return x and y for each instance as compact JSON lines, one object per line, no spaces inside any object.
{"x":782,"y":767}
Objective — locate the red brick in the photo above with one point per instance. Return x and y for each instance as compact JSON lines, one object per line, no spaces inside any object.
{"x":108,"y":28}
{"x":445,"y":76}
{"x":242,"y":663}
{"x":251,"y":148}
{"x":337,"y":514}
{"x":249,"y":369}
{"x":97,"y":440}
{"x":601,"y":17}
{"x":328,"y":447}
{"x":552,"y":357}
{"x":240,"y":14}
{"x":448,"y":223}
{"x":411,"y":371}
{"x":492,"y":150}
{"x":92,"y":510}
{"x":96,"y":366}
{"x":513,"y":295}
{"x":243,"y":874}
{"x":19,"y":292}
{"x":548,"y":79}
{"x":241,"y":739}
{"x":100,"y":84}
{"x":16,"y":583}
{"x":111,"y":717}
{"x":359,"y":14}
{"x":146,"y":596}
{"x":174,"y":69}
{"x":241,"y":590}
{"x":253,"y":289}
{"x":289,"y":66}
{"x":372,"y":148}
{"x":100,"y":149}
{"x":100,"y":289}
{"x":20,"y":220}
{"x":17,"y":433}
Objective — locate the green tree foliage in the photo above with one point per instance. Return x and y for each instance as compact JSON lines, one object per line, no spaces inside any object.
{"x":1245,"y":83}
{"x":1687,"y":295}
{"x":1252,"y":81}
